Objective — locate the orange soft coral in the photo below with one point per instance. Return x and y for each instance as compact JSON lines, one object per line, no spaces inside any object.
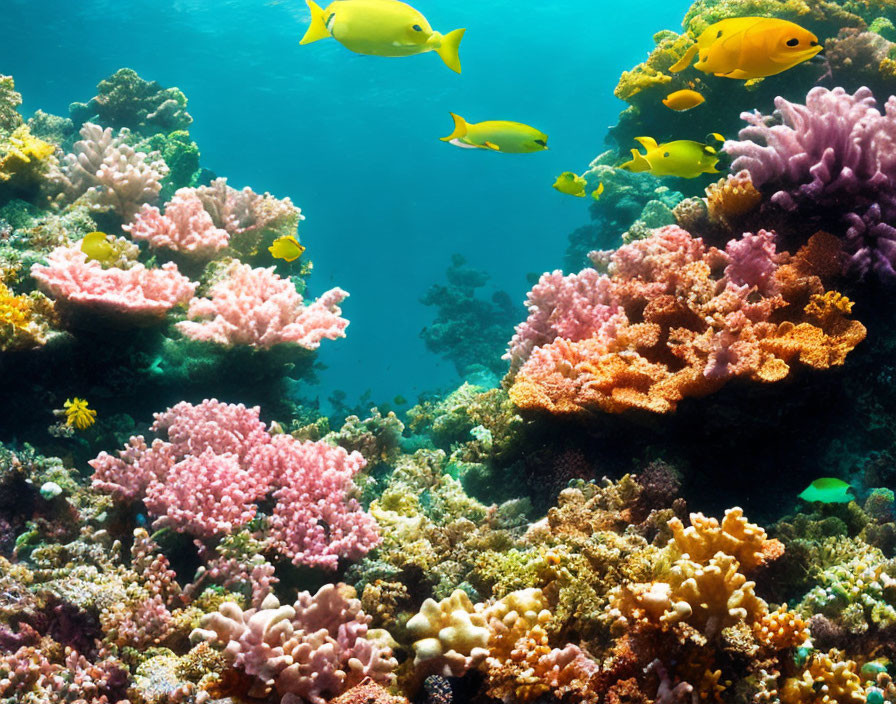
{"x":732,"y":197}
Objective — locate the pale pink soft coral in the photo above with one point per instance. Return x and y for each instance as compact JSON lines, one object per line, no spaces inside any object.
{"x":256,"y":307}
{"x":136,"y":292}
{"x":316,"y":519}
{"x":185,"y":227}
{"x":307,"y":652}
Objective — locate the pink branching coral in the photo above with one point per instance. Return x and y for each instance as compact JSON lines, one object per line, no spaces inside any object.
{"x":185,"y":227}
{"x":316,"y":520}
{"x":110,"y":172}
{"x":244,"y":212}
{"x":685,"y":319}
{"x":215,"y":461}
{"x":256,"y":307}
{"x":137,"y":292}
{"x":315,"y":649}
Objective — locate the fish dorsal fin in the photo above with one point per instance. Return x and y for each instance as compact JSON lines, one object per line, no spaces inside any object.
{"x":647,"y":142}
{"x":492,"y":146}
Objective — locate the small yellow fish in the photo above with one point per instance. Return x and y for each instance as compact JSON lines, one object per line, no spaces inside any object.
{"x":573,"y":185}
{"x":750,"y":47}
{"x":497,"y":135}
{"x":682,"y":100}
{"x":381,"y":28}
{"x":77,"y":413}
{"x":96,"y":246}
{"x":683,"y":158}
{"x":286,"y":247}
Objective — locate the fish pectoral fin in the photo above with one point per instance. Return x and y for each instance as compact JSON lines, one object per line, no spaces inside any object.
{"x":685,"y":60}
{"x":448,"y":49}
{"x":317,"y":30}
{"x":493,"y":146}
{"x":460,"y":129}
{"x":647,"y":142}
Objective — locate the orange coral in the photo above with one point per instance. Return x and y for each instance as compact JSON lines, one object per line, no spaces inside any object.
{"x":732,"y":197}
{"x":781,"y":629}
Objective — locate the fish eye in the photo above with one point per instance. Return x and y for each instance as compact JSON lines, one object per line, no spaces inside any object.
{"x":666,"y":155}
{"x":417,"y":28}
{"x":793,"y":42}
{"x":719,"y":35}
{"x":541,"y":142}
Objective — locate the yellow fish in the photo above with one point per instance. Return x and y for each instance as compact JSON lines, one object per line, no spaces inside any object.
{"x":286,"y":247}
{"x":497,"y":135}
{"x":682,"y":100}
{"x":573,"y":185}
{"x":96,"y":246}
{"x":750,"y":47}
{"x":683,"y":158}
{"x":381,"y":28}
{"x":78,"y":414}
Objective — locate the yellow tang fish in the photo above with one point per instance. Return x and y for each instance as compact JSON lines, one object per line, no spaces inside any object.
{"x":682,"y":100}
{"x":96,"y":246}
{"x":381,"y":28}
{"x":286,"y":247}
{"x":573,"y":185}
{"x":683,"y":158}
{"x":750,"y":47}
{"x":497,"y":135}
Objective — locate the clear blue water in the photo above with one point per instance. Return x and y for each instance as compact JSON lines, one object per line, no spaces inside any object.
{"x":354,"y":140}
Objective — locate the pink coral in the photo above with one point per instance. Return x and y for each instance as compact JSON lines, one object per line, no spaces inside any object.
{"x":185,"y":227}
{"x":215,"y":461}
{"x":135,"y":293}
{"x":205,"y":495}
{"x":314,"y":649}
{"x":256,"y":307}
{"x":244,"y":211}
{"x":753,"y":261}
{"x":316,"y":520}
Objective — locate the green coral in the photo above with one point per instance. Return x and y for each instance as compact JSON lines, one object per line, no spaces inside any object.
{"x":9,"y":103}
{"x":24,"y":162}
{"x":653,"y":72}
{"x":180,"y":153}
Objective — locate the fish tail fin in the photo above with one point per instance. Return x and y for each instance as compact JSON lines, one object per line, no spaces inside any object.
{"x":317,"y":30}
{"x":449,"y":48}
{"x":598,"y":192}
{"x":637,"y":164}
{"x":685,"y":60}
{"x":460,"y":128}
{"x":716,"y":136}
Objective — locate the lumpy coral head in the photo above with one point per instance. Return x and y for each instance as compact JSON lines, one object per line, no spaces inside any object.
{"x":255,"y":307}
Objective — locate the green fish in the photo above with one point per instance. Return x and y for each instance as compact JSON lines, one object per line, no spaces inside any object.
{"x":828,"y":490}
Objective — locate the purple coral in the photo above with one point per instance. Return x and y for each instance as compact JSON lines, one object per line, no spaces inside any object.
{"x":838,"y":150}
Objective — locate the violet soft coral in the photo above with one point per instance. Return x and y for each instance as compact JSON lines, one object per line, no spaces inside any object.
{"x":135,"y":293}
{"x":255,"y":307}
{"x":831,"y":163}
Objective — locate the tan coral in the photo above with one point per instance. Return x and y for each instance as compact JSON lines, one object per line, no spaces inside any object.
{"x":734,"y":536}
{"x":449,"y":636}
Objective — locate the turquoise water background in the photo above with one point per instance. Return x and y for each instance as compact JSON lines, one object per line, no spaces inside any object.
{"x":353,"y":140}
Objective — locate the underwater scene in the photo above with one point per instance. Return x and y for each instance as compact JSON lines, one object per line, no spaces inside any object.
{"x":609,"y":416}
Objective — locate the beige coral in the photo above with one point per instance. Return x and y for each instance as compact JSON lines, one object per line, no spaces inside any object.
{"x":450,"y":636}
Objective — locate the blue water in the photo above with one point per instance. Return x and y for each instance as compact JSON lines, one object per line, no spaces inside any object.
{"x":354,"y":140}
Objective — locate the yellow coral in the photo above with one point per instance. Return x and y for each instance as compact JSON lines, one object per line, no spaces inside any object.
{"x":24,"y":159}
{"x":734,"y":536}
{"x":732,"y":197}
{"x":15,"y":311}
{"x":450,"y":636}
{"x":78,"y":414}
{"x":827,"y":679}
{"x":781,"y":629}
